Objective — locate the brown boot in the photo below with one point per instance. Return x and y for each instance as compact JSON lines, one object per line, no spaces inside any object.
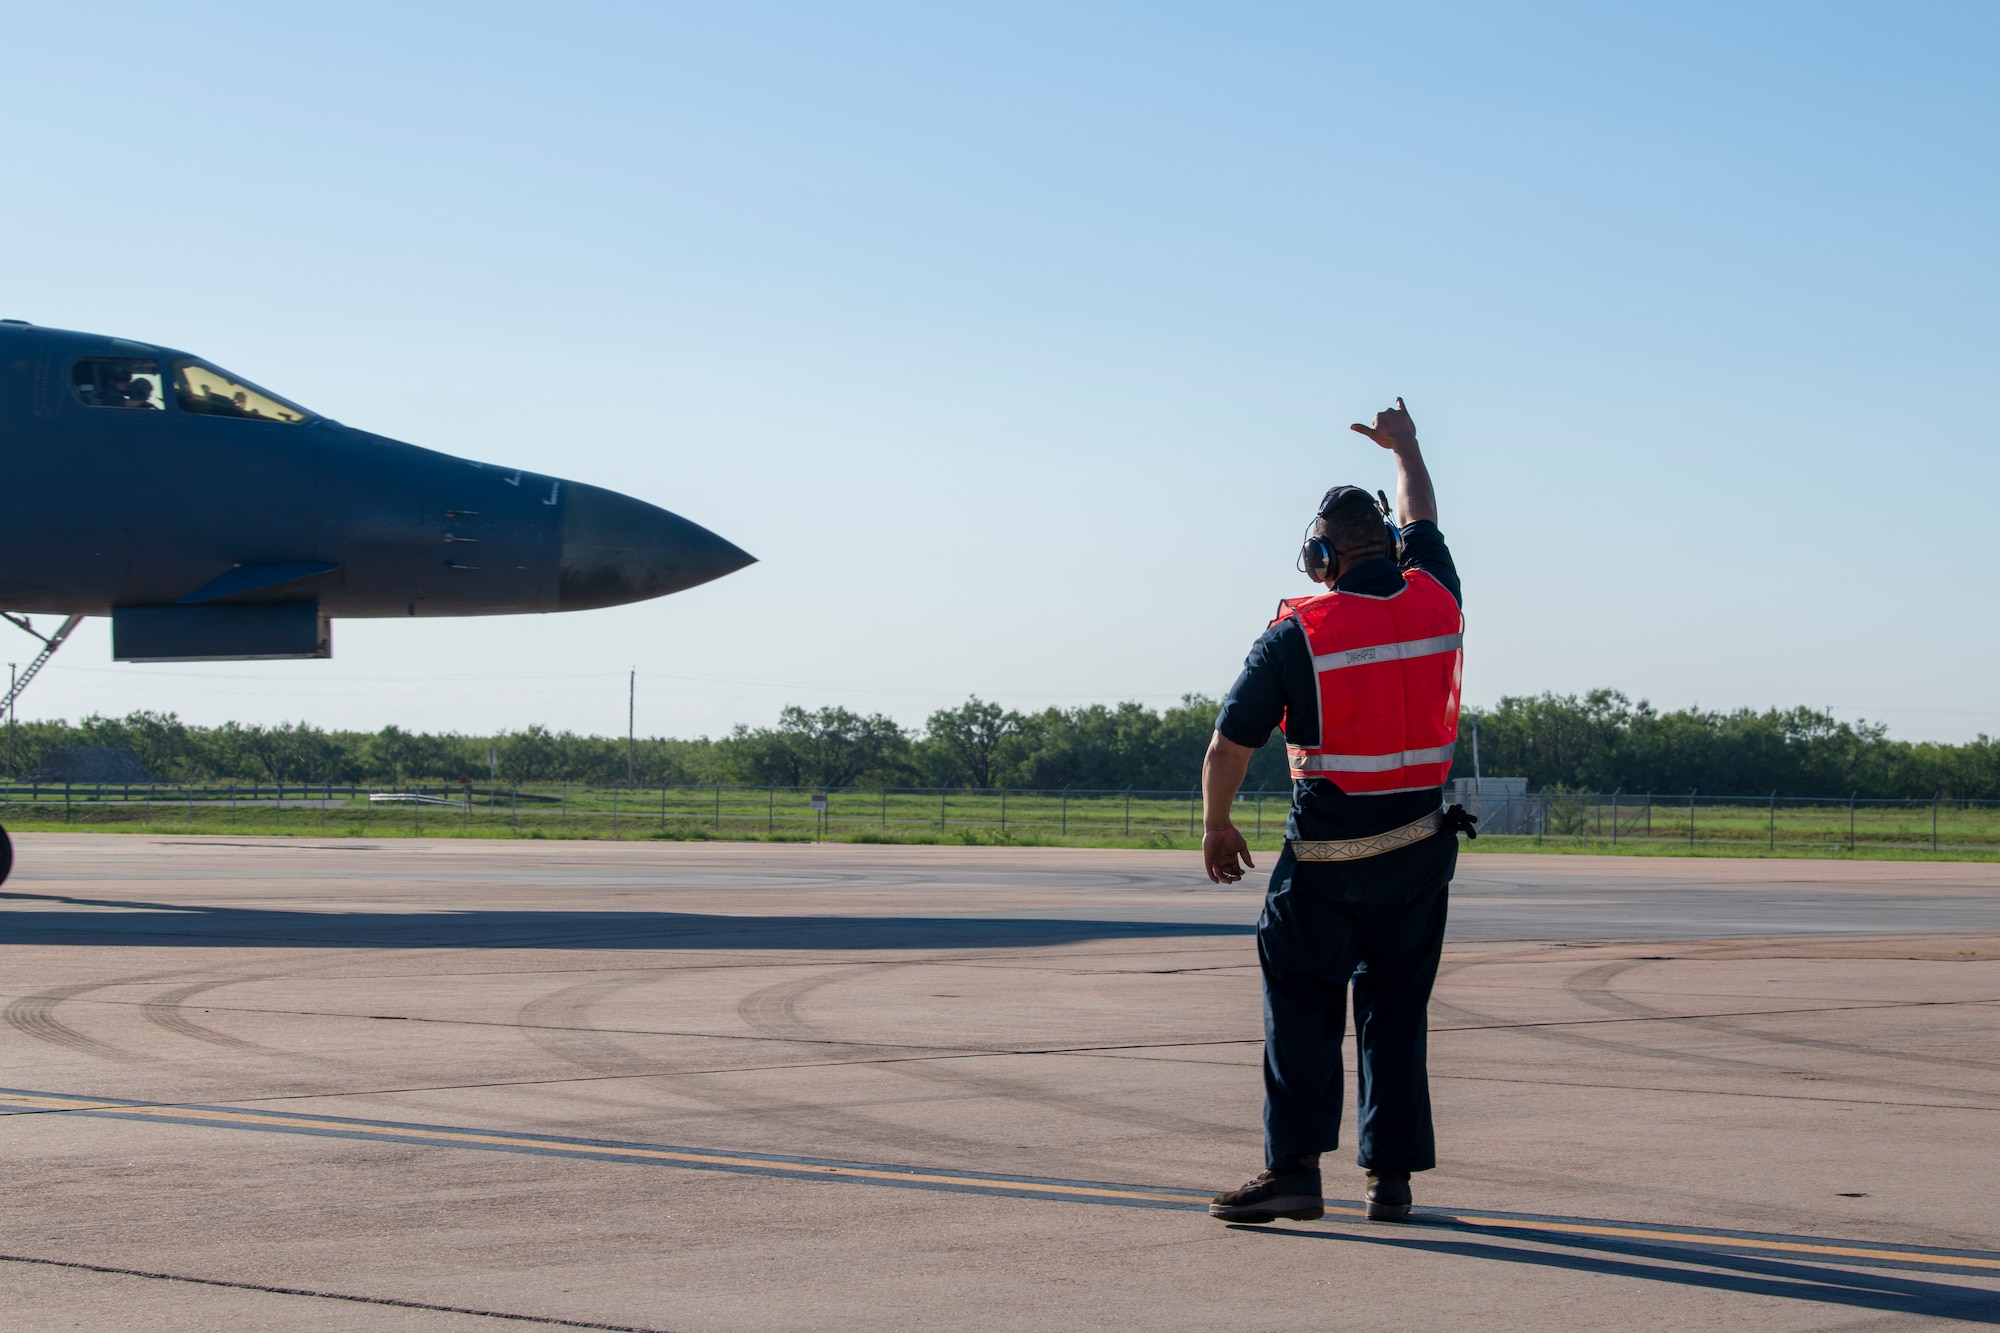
{"x":1293,"y":1195}
{"x":1388,"y":1196}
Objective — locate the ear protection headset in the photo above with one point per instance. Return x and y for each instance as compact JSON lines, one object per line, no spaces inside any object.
{"x":1316,"y":555}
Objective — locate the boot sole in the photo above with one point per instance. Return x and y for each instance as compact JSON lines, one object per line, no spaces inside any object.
{"x":1388,"y":1212}
{"x":1301,"y":1211}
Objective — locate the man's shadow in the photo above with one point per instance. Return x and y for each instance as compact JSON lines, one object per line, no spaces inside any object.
{"x":1713,"y":1269}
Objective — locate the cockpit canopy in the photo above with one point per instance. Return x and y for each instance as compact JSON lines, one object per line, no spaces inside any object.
{"x":135,"y":383}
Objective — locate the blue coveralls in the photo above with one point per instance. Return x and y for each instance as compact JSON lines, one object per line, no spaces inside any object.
{"x":1380,"y":924}
{"x":1376,"y":923}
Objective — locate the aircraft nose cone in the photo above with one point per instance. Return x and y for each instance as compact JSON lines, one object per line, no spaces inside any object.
{"x":616,"y":549}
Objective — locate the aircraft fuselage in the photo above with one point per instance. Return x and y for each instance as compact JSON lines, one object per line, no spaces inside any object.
{"x":136,"y":476}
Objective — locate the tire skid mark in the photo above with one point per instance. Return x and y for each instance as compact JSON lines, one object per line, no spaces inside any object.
{"x":34,"y":1016}
{"x":1702,"y":1060}
{"x":167,"y":1010}
{"x":724,"y":1092}
{"x":775,"y":1010}
{"x":558,"y":1023}
{"x":772,"y":1010}
{"x":1593,"y":986}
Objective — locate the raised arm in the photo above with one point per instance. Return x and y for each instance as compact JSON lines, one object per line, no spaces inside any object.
{"x":1395,"y":431}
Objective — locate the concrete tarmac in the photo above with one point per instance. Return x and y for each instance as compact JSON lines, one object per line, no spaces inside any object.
{"x":301,"y":1084}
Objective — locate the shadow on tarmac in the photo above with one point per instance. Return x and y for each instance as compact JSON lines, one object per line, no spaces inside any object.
{"x":111,"y":922}
{"x":1703,"y":1268}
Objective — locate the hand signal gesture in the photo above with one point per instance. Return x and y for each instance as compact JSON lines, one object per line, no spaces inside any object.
{"x":1392,"y":428}
{"x":1220,"y":849}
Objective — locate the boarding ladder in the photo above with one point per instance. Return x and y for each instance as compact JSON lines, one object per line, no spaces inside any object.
{"x":50,"y":643}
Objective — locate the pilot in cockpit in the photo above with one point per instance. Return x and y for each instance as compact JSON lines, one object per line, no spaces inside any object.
{"x":120,"y":389}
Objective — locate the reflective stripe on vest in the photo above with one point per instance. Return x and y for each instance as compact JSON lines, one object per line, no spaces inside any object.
{"x":1369,"y":763}
{"x":1386,"y":676}
{"x":1388,"y":652}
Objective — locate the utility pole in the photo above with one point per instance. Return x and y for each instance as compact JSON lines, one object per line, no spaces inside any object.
{"x":631,"y":712}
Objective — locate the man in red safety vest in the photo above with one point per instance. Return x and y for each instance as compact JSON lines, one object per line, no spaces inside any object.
{"x":1364,"y":679}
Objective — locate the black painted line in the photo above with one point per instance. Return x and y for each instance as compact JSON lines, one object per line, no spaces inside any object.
{"x":1688,"y":1018}
{"x":323,"y":1295}
{"x":1539,"y":1227}
{"x":1724,"y":1092}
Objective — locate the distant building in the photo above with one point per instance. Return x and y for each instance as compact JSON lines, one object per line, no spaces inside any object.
{"x":1500,"y":804}
{"x":92,"y":764}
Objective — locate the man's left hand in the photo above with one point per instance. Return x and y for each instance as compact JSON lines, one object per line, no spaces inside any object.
{"x":1220,"y":848}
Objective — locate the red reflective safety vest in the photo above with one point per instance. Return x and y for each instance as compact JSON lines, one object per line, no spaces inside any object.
{"x":1389,"y":672}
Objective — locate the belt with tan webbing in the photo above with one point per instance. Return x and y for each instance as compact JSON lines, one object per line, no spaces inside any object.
{"x":1454,"y":820}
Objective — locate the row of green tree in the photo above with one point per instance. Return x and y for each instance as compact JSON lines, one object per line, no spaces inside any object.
{"x":1598,"y":742}
{"x":976,"y":744}
{"x":1604,"y":742}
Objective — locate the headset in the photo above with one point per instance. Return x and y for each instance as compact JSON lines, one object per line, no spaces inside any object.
{"x":1316,"y":556}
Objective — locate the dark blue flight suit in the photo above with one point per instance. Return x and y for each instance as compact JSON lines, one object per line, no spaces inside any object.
{"x":1377,"y":923}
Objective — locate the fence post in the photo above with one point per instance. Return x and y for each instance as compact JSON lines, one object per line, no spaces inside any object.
{"x":65,"y":803}
{"x":1774,"y":819}
{"x":1065,"y":812}
{"x":563,"y":817}
{"x":663,"y":804}
{"x":1193,"y":792}
{"x":517,"y":807}
{"x":1850,"y":819}
{"x":1260,"y":812}
{"x":1003,"y":809}
{"x":718,"y":807}
{"x":940,"y":809}
{"x":885,"y":805}
{"x":1614,"y":815}
{"x":465,"y":822}
{"x":1934,"y":805}
{"x":1128,"y":812}
{"x":1691,"y":822}
{"x":771,"y":812}
{"x":232,"y":805}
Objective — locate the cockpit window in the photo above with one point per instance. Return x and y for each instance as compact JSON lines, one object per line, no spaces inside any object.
{"x":211,"y":392}
{"x":117,"y":381}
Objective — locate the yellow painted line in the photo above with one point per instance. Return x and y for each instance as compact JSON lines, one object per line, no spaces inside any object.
{"x":220,"y":1117}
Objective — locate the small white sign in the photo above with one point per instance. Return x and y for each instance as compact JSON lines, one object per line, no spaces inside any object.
{"x":819,"y":802}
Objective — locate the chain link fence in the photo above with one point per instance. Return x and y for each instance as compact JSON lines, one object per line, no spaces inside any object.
{"x":1770,"y":823}
{"x":592,"y":810}
{"x":1651,"y":821}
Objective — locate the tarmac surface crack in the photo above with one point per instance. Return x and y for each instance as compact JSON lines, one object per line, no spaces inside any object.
{"x":269,"y":1289}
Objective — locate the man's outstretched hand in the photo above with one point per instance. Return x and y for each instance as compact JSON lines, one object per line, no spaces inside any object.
{"x":1392,"y":428}
{"x":1219,"y":849}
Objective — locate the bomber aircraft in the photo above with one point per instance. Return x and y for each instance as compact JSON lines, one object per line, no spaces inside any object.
{"x":213,"y":520}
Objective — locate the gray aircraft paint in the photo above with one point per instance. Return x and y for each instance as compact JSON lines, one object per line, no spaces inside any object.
{"x":111,"y":507}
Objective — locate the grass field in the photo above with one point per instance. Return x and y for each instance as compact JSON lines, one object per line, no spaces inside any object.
{"x":1553,"y":824}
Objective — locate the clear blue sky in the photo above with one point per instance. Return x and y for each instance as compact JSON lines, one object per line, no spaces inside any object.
{"x":1018,"y":341}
